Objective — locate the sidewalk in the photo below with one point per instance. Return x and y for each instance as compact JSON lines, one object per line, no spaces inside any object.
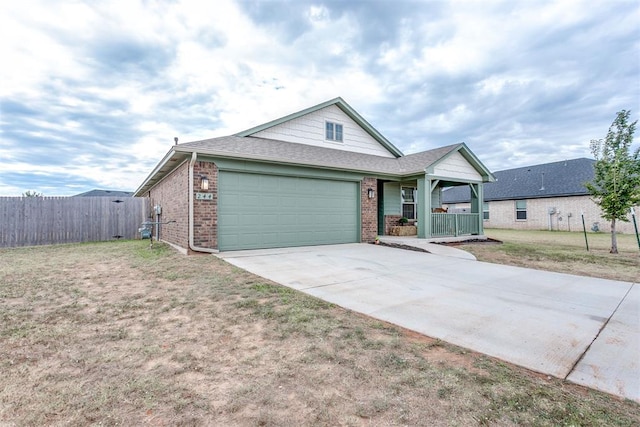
{"x":423,"y":244}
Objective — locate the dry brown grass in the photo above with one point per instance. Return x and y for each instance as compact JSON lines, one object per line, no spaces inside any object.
{"x":563,"y":252}
{"x":115,"y":333}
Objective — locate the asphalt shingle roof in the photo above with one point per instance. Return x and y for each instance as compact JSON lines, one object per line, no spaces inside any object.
{"x":565,"y":178}
{"x":105,"y":193}
{"x":258,"y":149}
{"x":271,"y":150}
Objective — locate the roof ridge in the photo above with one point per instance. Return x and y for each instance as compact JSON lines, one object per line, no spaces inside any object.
{"x":545,"y":164}
{"x":443,"y":148}
{"x":554,"y":179}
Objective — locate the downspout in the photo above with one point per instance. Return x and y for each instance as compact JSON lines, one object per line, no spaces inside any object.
{"x":194,"y":157}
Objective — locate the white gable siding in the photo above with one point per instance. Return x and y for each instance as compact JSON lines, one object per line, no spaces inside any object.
{"x":310,"y":129}
{"x":456,"y":166}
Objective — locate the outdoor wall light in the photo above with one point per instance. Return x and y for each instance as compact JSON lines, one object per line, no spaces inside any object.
{"x":204,"y":182}
{"x":371,"y":193}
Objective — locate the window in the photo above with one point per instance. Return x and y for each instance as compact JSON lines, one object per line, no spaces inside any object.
{"x":485,"y":210}
{"x":333,"y":132}
{"x":409,"y":202}
{"x":521,"y":210}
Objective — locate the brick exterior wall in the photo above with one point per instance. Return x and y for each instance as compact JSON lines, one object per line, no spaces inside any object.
{"x":172,"y":194}
{"x":369,"y":213}
{"x":502,"y":214}
{"x":205,"y":212}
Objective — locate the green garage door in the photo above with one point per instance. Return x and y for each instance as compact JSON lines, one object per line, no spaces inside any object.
{"x":271,"y":211}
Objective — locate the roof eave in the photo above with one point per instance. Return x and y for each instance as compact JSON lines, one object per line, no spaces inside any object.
{"x":156,"y":175}
{"x":534,"y":196}
{"x":275,"y":160}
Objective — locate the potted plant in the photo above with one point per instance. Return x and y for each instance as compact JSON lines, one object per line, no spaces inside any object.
{"x":403,"y":221}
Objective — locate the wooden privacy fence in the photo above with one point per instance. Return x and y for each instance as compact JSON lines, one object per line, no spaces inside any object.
{"x":30,"y":221}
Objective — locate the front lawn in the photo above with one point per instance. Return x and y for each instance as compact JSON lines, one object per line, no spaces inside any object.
{"x":118,"y":334}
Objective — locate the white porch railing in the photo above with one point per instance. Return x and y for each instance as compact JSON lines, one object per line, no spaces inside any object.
{"x":458,"y":224}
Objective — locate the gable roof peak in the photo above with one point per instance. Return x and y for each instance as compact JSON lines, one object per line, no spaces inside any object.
{"x":342,"y":105}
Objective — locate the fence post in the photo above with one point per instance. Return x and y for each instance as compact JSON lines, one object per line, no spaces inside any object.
{"x":584,"y":228}
{"x":635,"y":225}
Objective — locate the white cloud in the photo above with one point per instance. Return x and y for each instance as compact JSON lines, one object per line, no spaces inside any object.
{"x":319,"y":16}
{"x":109,"y":84}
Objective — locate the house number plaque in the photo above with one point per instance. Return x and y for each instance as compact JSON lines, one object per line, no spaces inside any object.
{"x":204,"y":196}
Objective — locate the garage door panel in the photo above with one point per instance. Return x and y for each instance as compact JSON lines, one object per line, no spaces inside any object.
{"x":270,"y":219}
{"x":246,"y":238}
{"x":273,"y":203}
{"x":229,"y":220}
{"x":265,"y":211}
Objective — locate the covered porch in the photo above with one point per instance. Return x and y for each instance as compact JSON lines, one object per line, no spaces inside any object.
{"x":415,"y":200}
{"x":438,"y":222}
{"x":420,"y":212}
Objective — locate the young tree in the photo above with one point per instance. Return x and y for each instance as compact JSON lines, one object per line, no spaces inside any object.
{"x":616,"y":183}
{"x":30,"y":193}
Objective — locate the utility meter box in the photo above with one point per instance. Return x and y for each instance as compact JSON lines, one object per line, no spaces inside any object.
{"x":145,"y":230}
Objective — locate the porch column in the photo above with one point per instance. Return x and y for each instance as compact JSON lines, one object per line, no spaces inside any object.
{"x":477,"y":199}
{"x":424,"y":207}
{"x":481,"y":206}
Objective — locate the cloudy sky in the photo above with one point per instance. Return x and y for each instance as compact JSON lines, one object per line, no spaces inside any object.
{"x":93,"y":92}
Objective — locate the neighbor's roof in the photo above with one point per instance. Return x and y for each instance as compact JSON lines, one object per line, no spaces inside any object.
{"x":281,"y":152}
{"x":105,"y":193}
{"x":557,"y":179}
{"x":346,"y":108}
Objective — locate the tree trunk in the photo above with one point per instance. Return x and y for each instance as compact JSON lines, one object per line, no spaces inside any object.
{"x":614,"y":239}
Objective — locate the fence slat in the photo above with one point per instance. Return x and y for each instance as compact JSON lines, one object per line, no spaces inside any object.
{"x":32,"y":221}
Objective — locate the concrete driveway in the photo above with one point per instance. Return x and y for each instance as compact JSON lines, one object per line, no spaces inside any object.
{"x":581,"y":329}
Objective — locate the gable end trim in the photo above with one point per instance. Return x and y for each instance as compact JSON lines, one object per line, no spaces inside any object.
{"x":469,"y":157}
{"x":342,"y":105}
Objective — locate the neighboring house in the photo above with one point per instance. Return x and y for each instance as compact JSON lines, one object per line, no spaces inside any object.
{"x":105,"y":193}
{"x":323,"y":175}
{"x":550,"y":196}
